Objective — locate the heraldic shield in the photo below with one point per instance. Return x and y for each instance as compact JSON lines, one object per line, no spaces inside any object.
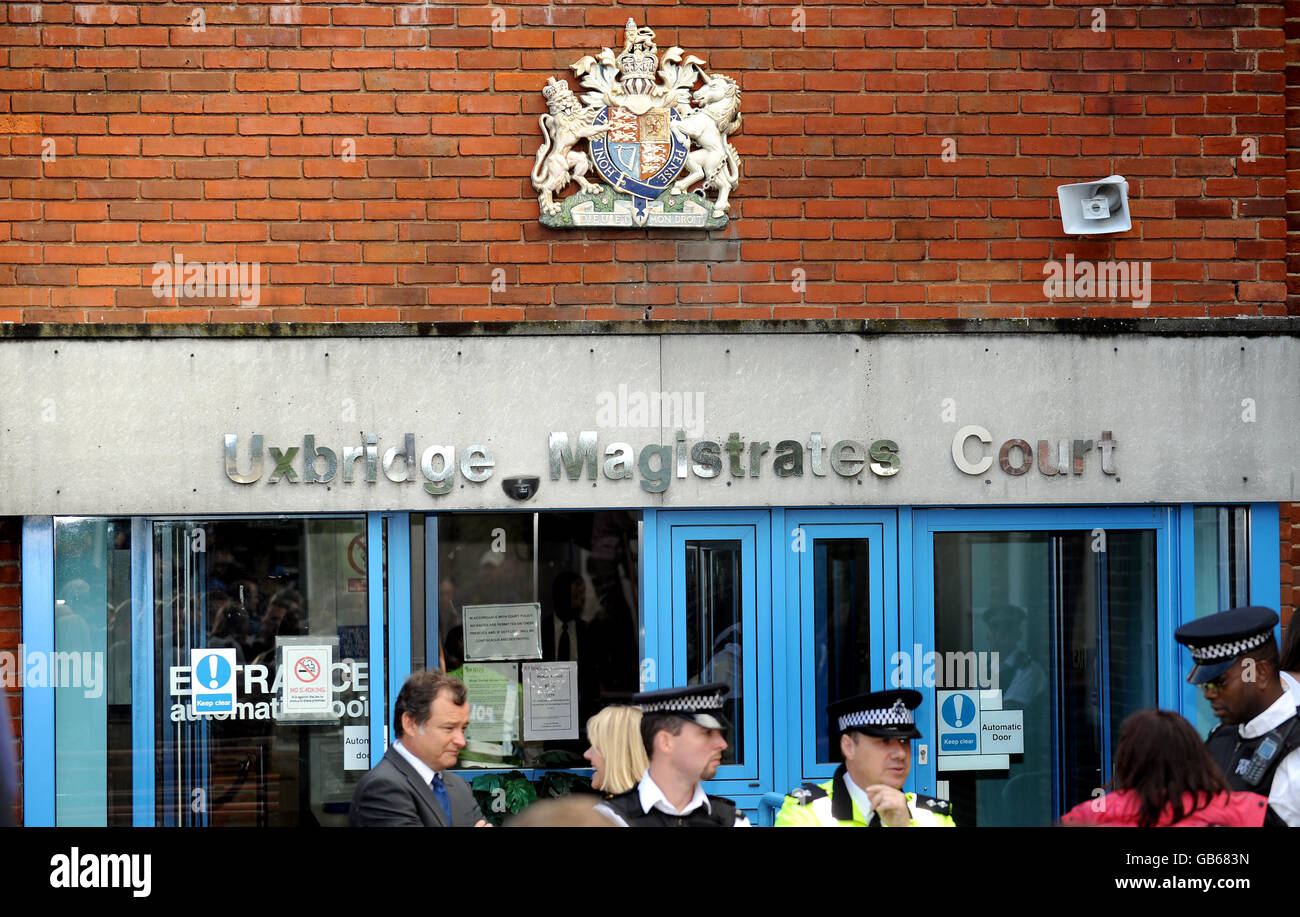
{"x":651,"y":138}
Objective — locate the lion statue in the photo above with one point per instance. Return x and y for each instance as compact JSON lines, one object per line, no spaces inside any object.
{"x":558,"y":162}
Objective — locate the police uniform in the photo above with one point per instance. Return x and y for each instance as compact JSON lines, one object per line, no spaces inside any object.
{"x":1262,"y":755}
{"x":645,"y":805}
{"x":839,"y":803}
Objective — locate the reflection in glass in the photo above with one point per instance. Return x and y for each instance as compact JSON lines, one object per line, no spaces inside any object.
{"x":91,"y":672}
{"x":713,"y":619}
{"x":581,"y":570}
{"x":1222,"y":565}
{"x":841,"y":569}
{"x":242,"y":585}
{"x":1072,"y":620}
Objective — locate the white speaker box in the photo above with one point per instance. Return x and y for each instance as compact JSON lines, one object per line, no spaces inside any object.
{"x":1093,"y":207}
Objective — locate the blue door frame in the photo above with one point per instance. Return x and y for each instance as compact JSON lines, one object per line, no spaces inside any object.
{"x":918,"y":627}
{"x":390,"y":664}
{"x":778,"y":671}
{"x":744,"y":782}
{"x":907,"y":603}
{"x":796,"y":547}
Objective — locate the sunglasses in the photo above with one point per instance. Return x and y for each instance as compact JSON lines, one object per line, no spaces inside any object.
{"x":1217,"y":684}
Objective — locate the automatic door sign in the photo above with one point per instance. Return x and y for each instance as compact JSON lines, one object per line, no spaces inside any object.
{"x":959,"y":722}
{"x":214,"y":681}
{"x":306,"y":682}
{"x":1002,"y":732}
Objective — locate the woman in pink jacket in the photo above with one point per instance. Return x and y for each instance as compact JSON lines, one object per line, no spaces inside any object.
{"x":1165,"y":778}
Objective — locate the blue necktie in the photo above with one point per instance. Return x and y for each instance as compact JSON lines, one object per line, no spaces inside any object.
{"x":440,"y":793}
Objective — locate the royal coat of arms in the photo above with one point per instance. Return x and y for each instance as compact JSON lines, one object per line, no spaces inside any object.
{"x":651,"y":136}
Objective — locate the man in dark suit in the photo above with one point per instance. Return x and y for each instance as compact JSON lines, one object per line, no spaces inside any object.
{"x":412,"y":786}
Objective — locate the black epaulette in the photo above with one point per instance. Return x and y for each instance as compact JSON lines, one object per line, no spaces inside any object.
{"x":807,"y":793}
{"x":937,"y":806}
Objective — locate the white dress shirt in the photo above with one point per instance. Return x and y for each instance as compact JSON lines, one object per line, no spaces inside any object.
{"x":426,"y":773}
{"x":859,"y":796}
{"x":1284,"y":795}
{"x":651,"y":797}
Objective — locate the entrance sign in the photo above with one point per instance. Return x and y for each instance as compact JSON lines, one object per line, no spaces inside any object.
{"x":213,"y":675}
{"x":651,"y":139}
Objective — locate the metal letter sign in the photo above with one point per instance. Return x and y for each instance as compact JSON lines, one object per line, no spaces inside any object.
{"x":650,"y":140}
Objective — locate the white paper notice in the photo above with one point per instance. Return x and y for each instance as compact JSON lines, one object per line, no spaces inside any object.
{"x":550,"y":700}
{"x":502,"y":631}
{"x":307,"y":680}
{"x":356,"y":748}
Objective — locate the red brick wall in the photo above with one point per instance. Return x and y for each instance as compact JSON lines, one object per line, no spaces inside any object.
{"x":1292,"y":9}
{"x":227,"y":144}
{"x":11,"y":536}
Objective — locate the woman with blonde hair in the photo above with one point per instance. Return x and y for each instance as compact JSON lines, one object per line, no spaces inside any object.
{"x":616,"y":751}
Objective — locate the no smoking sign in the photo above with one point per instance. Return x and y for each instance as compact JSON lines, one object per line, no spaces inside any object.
{"x":305,"y":691}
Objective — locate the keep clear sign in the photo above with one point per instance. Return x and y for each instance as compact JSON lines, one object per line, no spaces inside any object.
{"x":550,"y":700}
{"x":214,"y":681}
{"x":306,"y":694}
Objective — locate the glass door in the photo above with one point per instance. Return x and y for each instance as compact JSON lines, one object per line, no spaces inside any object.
{"x":841,"y":575}
{"x":1047,"y":624}
{"x":716,"y":584}
{"x":262,"y":678}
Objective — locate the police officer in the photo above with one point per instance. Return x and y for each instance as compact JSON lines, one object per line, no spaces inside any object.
{"x":682,"y":732}
{"x":1257,"y":742}
{"x":876,"y":732}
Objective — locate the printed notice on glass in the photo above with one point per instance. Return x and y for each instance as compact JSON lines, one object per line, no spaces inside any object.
{"x":550,"y":700}
{"x":493,"y":690}
{"x":306,"y":671}
{"x":305,"y":668}
{"x":502,"y":631}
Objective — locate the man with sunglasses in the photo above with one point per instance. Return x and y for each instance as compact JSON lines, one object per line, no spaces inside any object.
{"x":1257,"y":742}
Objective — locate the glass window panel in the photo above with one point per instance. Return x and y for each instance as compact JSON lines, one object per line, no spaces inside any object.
{"x":1072,"y":618}
{"x":581,"y":570}
{"x":418,"y":594}
{"x":91,"y":672}
{"x":1222,"y":562}
{"x":842,"y":639}
{"x":713,"y":628}
{"x":242,"y":585}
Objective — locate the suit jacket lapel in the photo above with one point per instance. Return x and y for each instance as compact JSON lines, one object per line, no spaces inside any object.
{"x":423,"y":790}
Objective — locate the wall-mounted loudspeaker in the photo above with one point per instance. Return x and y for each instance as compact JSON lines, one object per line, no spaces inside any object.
{"x":1093,"y":207}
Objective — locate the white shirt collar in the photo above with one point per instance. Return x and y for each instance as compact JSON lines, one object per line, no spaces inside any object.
{"x":653,"y":798}
{"x":858,"y":795}
{"x":1277,"y":713}
{"x":426,"y":773}
{"x":1289,"y":682}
